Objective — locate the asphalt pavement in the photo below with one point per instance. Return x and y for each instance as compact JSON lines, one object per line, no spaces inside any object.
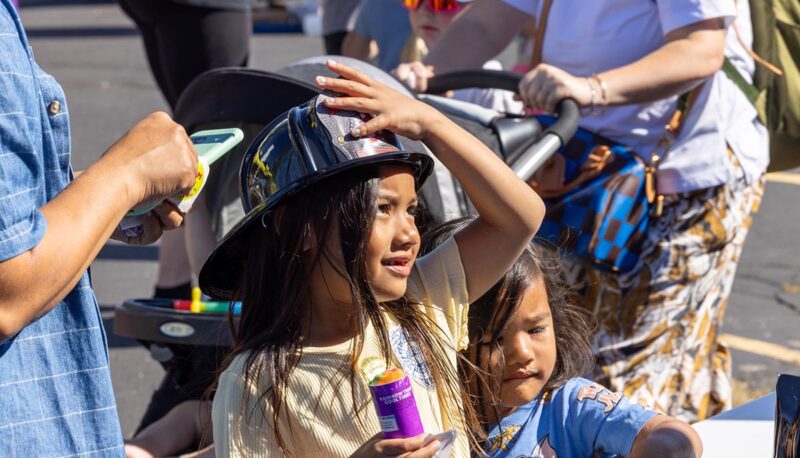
{"x":95,"y":53}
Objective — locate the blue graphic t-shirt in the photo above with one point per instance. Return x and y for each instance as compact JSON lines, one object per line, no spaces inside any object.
{"x":579,"y":419}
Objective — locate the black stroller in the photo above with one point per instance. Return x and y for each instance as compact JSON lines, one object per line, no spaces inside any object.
{"x":190,"y":345}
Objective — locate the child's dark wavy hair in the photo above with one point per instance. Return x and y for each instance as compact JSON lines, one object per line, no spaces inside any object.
{"x":275,"y":289}
{"x":574,"y":326}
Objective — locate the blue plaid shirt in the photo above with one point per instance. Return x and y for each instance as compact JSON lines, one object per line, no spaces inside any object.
{"x":56,"y":398}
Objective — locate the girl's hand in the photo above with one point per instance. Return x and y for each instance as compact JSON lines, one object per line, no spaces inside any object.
{"x":391,"y":110}
{"x":544,"y":86}
{"x":377,"y":446}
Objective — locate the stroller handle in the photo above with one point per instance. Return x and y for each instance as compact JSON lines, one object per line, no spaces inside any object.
{"x":552,"y":138}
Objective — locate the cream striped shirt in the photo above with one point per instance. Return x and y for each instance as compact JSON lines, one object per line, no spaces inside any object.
{"x":317,"y":417}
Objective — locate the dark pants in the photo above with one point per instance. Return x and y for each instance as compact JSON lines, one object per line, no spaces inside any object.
{"x":188,"y":375}
{"x":183,"y":41}
{"x":333,"y":43}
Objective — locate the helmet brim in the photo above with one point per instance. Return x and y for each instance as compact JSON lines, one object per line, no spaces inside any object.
{"x":220,"y":276}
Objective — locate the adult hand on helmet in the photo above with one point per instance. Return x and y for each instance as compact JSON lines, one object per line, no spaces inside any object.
{"x":545,"y":85}
{"x":390,"y":110}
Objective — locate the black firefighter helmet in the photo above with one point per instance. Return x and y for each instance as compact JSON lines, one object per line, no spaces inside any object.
{"x":304,"y":146}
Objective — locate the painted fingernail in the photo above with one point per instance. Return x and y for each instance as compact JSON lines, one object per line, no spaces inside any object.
{"x":321,"y":80}
{"x":332,"y":63}
{"x":355,"y":132}
{"x":330,"y":100}
{"x":436,"y":445}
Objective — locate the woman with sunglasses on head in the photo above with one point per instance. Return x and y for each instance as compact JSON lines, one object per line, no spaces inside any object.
{"x":627,"y":64}
{"x":429,"y":20}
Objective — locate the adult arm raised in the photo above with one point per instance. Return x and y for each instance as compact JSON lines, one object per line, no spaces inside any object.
{"x":155,"y":159}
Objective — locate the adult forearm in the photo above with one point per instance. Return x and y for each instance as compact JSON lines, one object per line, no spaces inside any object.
{"x":673,"y":69}
{"x":153,"y":160}
{"x":477,"y":35}
{"x":79,"y":221}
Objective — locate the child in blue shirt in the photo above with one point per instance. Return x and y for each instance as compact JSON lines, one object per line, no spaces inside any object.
{"x":529,"y":344}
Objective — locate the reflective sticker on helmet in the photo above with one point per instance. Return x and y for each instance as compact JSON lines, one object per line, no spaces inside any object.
{"x":339,"y":124}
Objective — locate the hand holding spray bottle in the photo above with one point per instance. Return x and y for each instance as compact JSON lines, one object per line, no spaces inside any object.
{"x":210,"y":146}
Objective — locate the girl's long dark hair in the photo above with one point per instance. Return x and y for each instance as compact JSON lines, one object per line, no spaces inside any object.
{"x":573,"y":324}
{"x":275,"y":294}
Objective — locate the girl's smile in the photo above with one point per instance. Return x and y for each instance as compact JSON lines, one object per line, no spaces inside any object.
{"x":400,"y":266}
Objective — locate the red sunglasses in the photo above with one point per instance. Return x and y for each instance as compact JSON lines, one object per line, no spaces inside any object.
{"x":437,"y":6}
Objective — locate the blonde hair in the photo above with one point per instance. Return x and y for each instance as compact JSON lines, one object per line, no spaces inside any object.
{"x":414,"y":50}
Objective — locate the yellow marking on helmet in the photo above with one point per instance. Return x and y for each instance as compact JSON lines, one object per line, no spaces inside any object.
{"x":267,"y":174}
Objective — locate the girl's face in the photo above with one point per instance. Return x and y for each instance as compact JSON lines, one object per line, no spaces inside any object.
{"x":394,"y":241}
{"x":392,"y":248}
{"x":428,"y":24}
{"x":526,"y":356}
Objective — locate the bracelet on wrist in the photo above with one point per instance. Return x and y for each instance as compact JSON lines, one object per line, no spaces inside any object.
{"x":603,"y":89}
{"x":592,"y":95}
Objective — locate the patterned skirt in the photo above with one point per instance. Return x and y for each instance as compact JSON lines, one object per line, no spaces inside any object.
{"x":658,"y":324}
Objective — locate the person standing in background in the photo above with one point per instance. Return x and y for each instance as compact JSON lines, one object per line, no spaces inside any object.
{"x":56,"y":397}
{"x":626,"y":64}
{"x":384,"y":22}
{"x":183,"y":39}
{"x":429,"y":21}
{"x":336,"y":19}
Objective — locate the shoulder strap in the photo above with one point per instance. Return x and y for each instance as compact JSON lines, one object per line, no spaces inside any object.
{"x":733,"y":74}
{"x":682,"y":107}
{"x":541,"y":25}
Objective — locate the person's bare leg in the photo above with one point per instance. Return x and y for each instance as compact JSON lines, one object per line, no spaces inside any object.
{"x":178,"y":430}
{"x":200,"y":239}
{"x":173,"y":262}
